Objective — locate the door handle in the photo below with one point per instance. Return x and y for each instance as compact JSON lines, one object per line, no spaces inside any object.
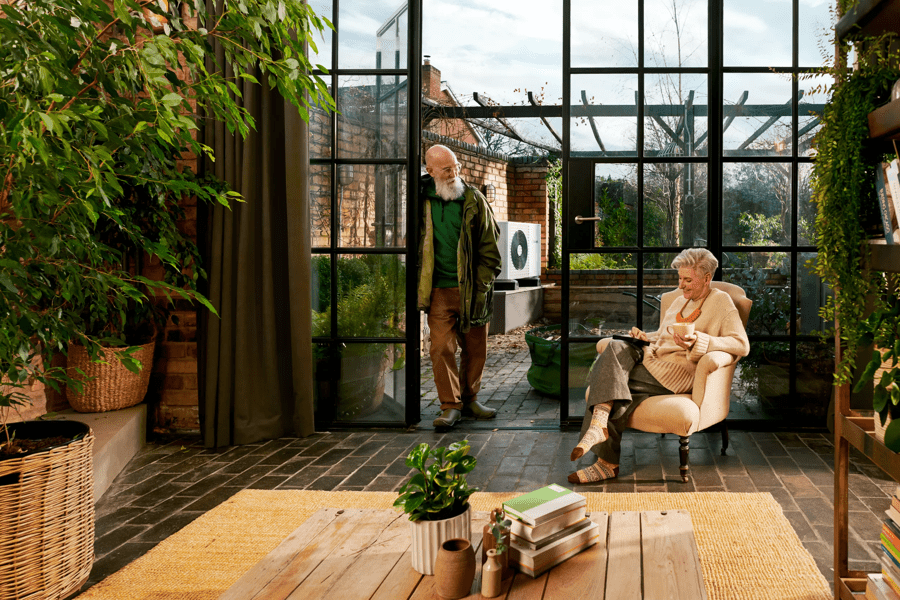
{"x":579,"y":219}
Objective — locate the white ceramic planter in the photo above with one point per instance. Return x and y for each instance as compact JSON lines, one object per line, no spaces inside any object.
{"x":427,"y":537}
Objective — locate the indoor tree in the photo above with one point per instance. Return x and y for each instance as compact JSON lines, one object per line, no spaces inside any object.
{"x":97,"y":110}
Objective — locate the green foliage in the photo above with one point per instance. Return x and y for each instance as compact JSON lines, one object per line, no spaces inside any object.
{"x":882,"y":328}
{"x":439,"y":490}
{"x":96,"y":114}
{"x":554,"y":195}
{"x":371,"y":296}
{"x":844,"y":188}
{"x":499,"y":527}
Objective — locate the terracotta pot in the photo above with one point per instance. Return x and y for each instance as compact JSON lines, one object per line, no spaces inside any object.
{"x":454,"y":569}
{"x":491,"y":576}
{"x":427,"y":537}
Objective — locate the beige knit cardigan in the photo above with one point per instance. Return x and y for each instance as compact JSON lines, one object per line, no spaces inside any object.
{"x":718,"y":327}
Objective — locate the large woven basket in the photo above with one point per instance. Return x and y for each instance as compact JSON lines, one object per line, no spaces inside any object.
{"x":47,"y":514}
{"x":108,"y":385}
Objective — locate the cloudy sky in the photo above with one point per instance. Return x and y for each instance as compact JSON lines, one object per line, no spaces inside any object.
{"x":501,"y":48}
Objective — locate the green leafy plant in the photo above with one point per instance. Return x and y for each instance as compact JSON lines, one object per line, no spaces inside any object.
{"x":844,"y":188}
{"x":882,"y":328}
{"x":96,"y":116}
{"x":439,"y":490}
{"x":499,"y":528}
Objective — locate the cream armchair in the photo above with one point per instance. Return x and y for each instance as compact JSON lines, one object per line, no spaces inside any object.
{"x":708,"y":402}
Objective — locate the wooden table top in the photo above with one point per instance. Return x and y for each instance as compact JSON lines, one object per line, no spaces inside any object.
{"x":359,"y":554}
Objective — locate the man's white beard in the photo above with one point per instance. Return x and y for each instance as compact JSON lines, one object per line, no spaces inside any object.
{"x":449,"y":190}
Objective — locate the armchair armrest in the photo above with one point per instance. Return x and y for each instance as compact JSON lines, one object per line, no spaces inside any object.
{"x":715,"y":371}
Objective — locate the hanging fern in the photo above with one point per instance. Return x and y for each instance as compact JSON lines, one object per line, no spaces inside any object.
{"x":844,"y":190}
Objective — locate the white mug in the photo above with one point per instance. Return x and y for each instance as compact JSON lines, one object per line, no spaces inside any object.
{"x":685,"y":330}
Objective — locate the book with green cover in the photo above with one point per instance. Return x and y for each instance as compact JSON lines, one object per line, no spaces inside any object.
{"x":543,"y":504}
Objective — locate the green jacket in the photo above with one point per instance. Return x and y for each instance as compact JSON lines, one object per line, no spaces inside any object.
{"x":477,"y":257}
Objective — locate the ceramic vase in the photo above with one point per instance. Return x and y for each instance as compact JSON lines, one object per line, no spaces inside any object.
{"x":491,"y":575}
{"x":427,"y":537}
{"x":488,"y":542}
{"x":454,"y":569}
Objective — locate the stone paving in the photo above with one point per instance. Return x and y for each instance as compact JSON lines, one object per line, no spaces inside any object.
{"x":174,"y":480}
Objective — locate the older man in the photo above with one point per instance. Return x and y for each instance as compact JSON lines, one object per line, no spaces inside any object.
{"x":458,"y":262}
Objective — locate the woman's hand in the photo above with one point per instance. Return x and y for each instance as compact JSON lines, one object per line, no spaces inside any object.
{"x":685,"y":342}
{"x":637,"y":333}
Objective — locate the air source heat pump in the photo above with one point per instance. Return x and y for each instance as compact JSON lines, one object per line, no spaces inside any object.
{"x":520,"y":249}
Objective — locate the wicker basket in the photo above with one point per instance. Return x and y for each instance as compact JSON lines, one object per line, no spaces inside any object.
{"x":108,"y":385}
{"x":47,"y":514}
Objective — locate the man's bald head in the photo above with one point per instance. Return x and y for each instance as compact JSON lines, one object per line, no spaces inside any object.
{"x":441,"y":163}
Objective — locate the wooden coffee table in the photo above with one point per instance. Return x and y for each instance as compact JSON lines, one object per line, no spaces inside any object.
{"x":359,"y":554}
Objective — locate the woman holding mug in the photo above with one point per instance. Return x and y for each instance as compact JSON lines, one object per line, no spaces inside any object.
{"x":626,"y":373}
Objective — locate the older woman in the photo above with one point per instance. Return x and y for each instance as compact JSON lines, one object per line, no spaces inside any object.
{"x":625,"y":374}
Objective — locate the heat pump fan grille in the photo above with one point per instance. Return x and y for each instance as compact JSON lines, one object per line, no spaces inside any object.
{"x":518,"y":250}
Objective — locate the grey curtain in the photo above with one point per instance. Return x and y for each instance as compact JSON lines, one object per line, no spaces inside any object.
{"x":255,"y":358}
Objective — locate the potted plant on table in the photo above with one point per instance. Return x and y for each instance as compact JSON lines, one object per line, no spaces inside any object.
{"x":437,"y":500}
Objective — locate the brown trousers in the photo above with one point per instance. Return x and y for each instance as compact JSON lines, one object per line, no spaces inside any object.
{"x":456,"y":386}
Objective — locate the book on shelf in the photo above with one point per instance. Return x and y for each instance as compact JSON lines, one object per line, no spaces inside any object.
{"x":543,"y":504}
{"x":894,"y":514}
{"x":576,"y":538}
{"x":536,"y":533}
{"x":893,"y":178}
{"x":885,"y":209}
{"x":888,"y":547}
{"x":877,"y":589}
{"x":891,"y":572}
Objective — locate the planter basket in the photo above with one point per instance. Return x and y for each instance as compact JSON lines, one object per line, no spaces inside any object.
{"x":108,"y":386}
{"x":47,"y":515}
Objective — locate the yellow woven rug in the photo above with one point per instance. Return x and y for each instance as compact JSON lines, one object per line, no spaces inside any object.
{"x":748,"y":549}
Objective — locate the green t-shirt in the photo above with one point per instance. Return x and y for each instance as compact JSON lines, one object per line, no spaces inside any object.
{"x":446,"y":216}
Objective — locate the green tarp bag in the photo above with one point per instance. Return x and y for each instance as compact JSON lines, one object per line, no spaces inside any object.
{"x":546,"y":357}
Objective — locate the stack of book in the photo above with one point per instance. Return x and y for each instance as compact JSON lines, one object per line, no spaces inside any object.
{"x":549,"y":525}
{"x":889,"y":588}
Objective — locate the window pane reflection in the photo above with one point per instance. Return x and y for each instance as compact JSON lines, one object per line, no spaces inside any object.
{"x":757,"y":112}
{"x":812,"y":294}
{"x":604,"y":114}
{"x":675,"y":204}
{"x":757,"y":204}
{"x":806,"y":208}
{"x":766,"y":279}
{"x":615,"y":203}
{"x":368,"y":33}
{"x":320,"y":205}
{"x":371,"y":205}
{"x":371,"y":296}
{"x":604,"y":33}
{"x":676,"y":33}
{"x":365,"y":382}
{"x":675,"y":109}
{"x":373,"y":117}
{"x":757,"y":34}
{"x":321,"y":54}
{"x":659,"y":278}
{"x":602,"y":293}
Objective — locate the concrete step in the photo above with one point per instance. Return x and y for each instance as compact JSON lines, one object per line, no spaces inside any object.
{"x":118,"y":436}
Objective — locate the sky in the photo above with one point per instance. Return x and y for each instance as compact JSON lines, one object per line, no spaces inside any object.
{"x":501,"y":48}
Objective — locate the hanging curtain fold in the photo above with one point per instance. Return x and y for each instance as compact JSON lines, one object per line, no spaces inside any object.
{"x":255,"y":358}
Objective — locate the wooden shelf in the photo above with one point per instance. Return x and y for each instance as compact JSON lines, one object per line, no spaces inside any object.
{"x":859,"y":431}
{"x":869,"y":17}
{"x":885,"y":257}
{"x":884,"y":121}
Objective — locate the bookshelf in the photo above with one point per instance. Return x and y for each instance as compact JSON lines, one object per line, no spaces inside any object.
{"x":852,"y":429}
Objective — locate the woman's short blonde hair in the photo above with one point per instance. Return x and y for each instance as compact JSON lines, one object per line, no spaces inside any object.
{"x":700,"y":259}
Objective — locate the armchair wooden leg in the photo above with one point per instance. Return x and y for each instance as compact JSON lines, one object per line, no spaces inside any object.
{"x":683,"y":451}
{"x":724,"y":436}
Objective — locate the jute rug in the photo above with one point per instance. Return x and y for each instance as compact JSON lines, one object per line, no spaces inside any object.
{"x":748,"y":549}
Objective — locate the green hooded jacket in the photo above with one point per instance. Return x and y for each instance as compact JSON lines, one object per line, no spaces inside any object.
{"x":477,"y":256}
